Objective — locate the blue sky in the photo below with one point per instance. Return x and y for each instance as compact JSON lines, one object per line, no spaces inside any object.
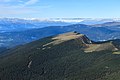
{"x":60,"y":8}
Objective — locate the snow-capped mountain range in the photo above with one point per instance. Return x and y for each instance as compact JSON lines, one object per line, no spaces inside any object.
{"x":67,"y":20}
{"x":17,"y":24}
{"x":15,"y":31}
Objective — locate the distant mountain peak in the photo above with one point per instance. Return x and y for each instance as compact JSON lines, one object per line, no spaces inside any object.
{"x":109,"y":24}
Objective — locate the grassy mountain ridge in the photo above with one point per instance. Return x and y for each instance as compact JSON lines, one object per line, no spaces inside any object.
{"x":66,"y":60}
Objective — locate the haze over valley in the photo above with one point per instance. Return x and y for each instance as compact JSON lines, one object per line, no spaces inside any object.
{"x":16,"y":31}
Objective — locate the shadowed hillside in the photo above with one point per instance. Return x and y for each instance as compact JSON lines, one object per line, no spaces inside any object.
{"x":69,"y":56}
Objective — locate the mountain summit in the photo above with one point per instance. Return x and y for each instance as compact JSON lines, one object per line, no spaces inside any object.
{"x":70,"y":36}
{"x":84,"y":41}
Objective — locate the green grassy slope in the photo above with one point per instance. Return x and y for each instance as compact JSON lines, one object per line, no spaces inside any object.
{"x":65,"y":61}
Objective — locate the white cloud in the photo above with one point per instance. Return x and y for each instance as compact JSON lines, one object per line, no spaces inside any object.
{"x":21,"y":8}
{"x":31,"y":2}
{"x":11,"y":11}
{"x":19,"y":2}
{"x":7,"y":0}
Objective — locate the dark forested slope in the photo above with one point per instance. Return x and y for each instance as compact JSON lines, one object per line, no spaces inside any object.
{"x":69,"y":56}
